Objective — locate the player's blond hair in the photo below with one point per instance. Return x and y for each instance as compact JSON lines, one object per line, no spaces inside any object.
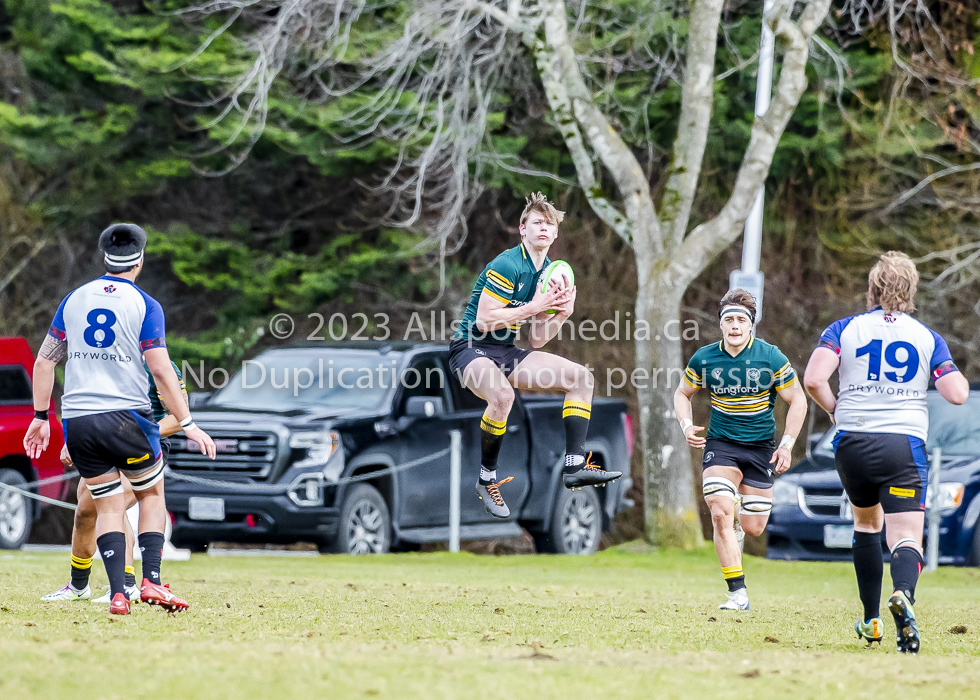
{"x":538,"y":203}
{"x":892,"y":283}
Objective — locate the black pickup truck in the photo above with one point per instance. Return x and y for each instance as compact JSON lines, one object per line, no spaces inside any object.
{"x":313,"y":444}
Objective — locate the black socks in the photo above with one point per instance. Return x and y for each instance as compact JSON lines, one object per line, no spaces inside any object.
{"x":734,"y":577}
{"x":112,"y":546}
{"x":81,"y":569}
{"x":576,"y":416}
{"x":491,"y":438}
{"x":869,"y":567}
{"x":151,"y":549}
{"x":906,"y":567}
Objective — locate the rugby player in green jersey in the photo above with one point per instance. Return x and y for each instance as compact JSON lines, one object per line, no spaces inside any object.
{"x":486,"y":361}
{"x":83,"y":529}
{"x":743,"y":375}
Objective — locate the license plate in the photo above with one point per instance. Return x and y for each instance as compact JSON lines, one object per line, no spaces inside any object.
{"x":838,"y":536}
{"x":205,"y":508}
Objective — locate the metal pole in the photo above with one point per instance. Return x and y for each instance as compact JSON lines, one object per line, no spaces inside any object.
{"x":455,"y":466}
{"x":752,"y":241}
{"x":932,"y":546}
{"x":749,"y":277}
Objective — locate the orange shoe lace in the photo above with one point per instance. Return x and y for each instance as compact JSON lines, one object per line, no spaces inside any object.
{"x":589,"y":465}
{"x":494,"y":490}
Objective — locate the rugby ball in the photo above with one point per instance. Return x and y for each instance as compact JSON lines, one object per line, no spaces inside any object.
{"x":559,"y":270}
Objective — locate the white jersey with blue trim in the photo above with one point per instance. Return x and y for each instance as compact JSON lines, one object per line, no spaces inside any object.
{"x":108,"y":324}
{"x":886,"y":360}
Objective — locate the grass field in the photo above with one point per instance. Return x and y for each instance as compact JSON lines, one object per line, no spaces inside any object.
{"x":618,"y":624}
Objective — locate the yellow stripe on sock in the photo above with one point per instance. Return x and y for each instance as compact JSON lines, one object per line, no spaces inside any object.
{"x":495,"y":423}
{"x":731,"y":571}
{"x":131,"y":570}
{"x":493,"y":427}
{"x":578,"y":404}
{"x":577,"y":412}
{"x":80,"y":563}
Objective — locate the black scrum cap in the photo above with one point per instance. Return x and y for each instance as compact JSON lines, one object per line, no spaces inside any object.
{"x":123,"y":244}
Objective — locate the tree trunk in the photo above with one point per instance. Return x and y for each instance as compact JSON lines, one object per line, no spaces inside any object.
{"x":670,"y":511}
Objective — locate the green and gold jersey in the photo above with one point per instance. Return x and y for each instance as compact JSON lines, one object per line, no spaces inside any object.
{"x":156,"y":403}
{"x":510,"y":278}
{"x":743,"y":388}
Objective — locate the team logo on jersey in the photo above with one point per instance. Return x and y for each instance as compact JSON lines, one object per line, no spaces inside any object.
{"x":889,"y":318}
{"x":110,"y":289}
{"x":708,"y":456}
{"x":716,"y":373}
{"x":520,"y":286}
{"x":753,"y":375}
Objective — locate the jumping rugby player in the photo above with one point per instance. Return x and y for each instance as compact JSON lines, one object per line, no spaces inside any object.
{"x":485,"y":359}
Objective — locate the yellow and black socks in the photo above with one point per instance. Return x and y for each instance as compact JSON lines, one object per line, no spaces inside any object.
{"x":112,"y":545}
{"x":906,"y":566}
{"x":869,"y":567}
{"x":734,"y":577}
{"x":576,"y":416}
{"x":81,"y":569}
{"x":151,"y":549}
{"x":491,"y":437}
{"x":130,"y":576}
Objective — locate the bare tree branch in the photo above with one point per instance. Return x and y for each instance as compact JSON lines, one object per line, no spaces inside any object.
{"x":713,"y":236}
{"x":697,"y":98}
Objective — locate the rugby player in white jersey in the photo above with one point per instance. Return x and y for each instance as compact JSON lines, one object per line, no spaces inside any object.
{"x":83,"y":529}
{"x":885,"y":358}
{"x":103,"y":328}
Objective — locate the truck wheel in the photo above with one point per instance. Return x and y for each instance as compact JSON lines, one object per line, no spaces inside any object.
{"x":15,"y":512}
{"x":576,"y":524}
{"x":365,"y":525}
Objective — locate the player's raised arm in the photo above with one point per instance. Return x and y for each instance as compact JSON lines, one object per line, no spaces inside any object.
{"x":492,"y":314}
{"x":545,"y":326}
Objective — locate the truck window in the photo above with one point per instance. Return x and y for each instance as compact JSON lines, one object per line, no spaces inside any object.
{"x":15,"y":386}
{"x":465,"y":399}
{"x":426,"y":376}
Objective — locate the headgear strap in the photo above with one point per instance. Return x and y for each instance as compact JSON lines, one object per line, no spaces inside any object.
{"x":736,"y":309}
{"x":124,"y":260}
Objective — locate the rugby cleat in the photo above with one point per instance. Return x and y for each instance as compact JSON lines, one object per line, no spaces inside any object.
{"x":492,"y":500}
{"x":132,"y":592}
{"x":119,"y":605}
{"x":68,"y":593}
{"x":737,"y":600}
{"x":589,"y":475}
{"x":870,"y":630}
{"x":908,"y":630}
{"x":155,"y":594}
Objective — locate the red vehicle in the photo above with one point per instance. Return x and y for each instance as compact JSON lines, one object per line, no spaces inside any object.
{"x":17,"y":512}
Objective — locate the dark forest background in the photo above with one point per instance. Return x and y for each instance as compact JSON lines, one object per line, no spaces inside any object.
{"x":104,"y":117}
